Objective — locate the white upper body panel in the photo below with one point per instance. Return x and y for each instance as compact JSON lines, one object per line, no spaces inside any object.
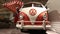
{"x":38,"y":11}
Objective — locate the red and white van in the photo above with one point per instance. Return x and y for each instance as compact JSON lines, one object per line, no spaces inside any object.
{"x":33,"y":15}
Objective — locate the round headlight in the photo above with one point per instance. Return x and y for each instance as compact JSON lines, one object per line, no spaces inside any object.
{"x":45,"y":16}
{"x":21,"y":17}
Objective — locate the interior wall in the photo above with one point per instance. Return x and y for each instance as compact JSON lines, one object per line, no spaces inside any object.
{"x":54,"y":14}
{"x":42,"y":1}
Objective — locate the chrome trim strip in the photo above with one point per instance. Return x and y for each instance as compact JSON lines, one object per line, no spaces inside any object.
{"x":43,"y":26}
{"x":34,"y":21}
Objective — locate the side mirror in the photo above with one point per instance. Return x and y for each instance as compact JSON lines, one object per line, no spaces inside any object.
{"x":46,"y":7}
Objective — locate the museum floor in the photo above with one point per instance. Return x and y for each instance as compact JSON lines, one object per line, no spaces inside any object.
{"x":15,"y":31}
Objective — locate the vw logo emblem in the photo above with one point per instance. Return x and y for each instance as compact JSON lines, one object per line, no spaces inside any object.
{"x":32,"y":12}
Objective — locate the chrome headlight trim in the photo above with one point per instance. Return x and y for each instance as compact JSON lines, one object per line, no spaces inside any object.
{"x":45,"y":16}
{"x":21,"y":17}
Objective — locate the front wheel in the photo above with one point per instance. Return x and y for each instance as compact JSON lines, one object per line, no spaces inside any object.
{"x":24,"y":30}
{"x":39,"y":31}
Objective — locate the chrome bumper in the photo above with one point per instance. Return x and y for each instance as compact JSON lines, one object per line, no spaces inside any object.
{"x":32,"y":26}
{"x":22,"y":26}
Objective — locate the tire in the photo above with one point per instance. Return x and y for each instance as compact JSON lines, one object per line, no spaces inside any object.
{"x":38,"y":31}
{"x":24,"y":30}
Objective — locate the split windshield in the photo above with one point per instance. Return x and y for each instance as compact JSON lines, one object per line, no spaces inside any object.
{"x":30,"y":5}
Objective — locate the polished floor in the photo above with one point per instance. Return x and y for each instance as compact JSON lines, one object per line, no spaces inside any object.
{"x":15,"y":31}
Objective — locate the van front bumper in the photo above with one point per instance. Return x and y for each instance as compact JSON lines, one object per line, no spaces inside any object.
{"x":43,"y":26}
{"x":32,"y":26}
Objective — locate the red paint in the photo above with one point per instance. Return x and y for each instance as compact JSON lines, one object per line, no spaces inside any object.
{"x":40,"y":18}
{"x":26,"y":18}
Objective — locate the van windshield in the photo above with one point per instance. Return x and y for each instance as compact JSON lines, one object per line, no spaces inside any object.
{"x":27,"y":5}
{"x":30,"y":5}
{"x":37,"y":5}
